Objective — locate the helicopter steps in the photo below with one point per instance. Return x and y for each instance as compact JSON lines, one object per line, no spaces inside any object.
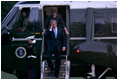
{"x":63,"y":73}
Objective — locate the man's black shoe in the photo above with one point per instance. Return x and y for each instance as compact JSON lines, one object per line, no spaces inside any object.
{"x":57,"y":76}
{"x":50,"y":74}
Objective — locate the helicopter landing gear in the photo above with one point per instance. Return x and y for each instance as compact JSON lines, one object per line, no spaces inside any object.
{"x":104,"y":72}
{"x":92,"y":73}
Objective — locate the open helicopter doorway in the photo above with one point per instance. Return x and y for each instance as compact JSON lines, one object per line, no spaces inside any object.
{"x":63,"y":10}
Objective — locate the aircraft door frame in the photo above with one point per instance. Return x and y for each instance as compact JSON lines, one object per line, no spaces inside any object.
{"x":67,"y":13}
{"x":68,"y":28}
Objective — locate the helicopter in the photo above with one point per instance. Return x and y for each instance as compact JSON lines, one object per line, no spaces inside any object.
{"x":91,"y":44}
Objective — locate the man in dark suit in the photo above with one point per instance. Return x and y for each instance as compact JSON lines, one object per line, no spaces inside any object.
{"x":57,"y":44}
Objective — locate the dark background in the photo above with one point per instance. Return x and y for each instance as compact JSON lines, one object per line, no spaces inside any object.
{"x":6,"y":6}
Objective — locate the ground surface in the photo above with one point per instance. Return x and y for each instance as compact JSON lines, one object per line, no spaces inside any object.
{"x":5,"y":75}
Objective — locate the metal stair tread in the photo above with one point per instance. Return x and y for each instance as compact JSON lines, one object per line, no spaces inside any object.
{"x":53,"y":78}
{"x":60,"y":66}
{"x":49,"y":71}
{"x":54,"y":60}
{"x":63,"y":62}
{"x":48,"y":74}
{"x":61,"y":55}
{"x":46,"y":71}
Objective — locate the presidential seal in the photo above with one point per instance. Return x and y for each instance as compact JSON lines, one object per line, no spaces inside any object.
{"x":20,"y":52}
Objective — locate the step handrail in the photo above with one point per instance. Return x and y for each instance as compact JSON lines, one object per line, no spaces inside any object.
{"x":41,"y":56}
{"x":67,"y":53}
{"x":68,"y":44}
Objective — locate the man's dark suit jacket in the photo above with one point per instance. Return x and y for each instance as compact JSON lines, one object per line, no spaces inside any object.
{"x":60,"y":41}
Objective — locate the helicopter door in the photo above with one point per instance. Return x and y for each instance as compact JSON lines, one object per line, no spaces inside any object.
{"x":19,"y":42}
{"x":105,"y":28}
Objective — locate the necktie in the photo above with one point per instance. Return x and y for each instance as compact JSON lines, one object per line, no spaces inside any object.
{"x":55,"y":33}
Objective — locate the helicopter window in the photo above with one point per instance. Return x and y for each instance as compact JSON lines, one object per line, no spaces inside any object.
{"x":114,"y":24}
{"x":99,"y":27}
{"x":9,"y":18}
{"x":78,"y":23}
{"x":78,"y":29}
{"x":28,"y":20}
{"x":7,"y":26}
{"x":34,"y":19}
{"x":23,"y":21}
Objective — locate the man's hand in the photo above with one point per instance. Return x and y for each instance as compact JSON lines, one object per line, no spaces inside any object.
{"x":23,"y":29}
{"x":43,"y":32}
{"x":63,"y":49}
{"x":66,"y":31}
